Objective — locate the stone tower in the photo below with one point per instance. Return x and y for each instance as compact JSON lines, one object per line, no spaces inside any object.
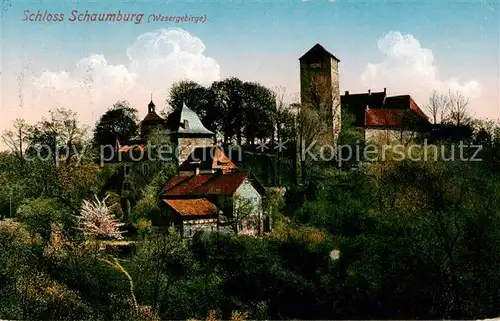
{"x":319,"y":89}
{"x":151,"y":120}
{"x":190,"y":134}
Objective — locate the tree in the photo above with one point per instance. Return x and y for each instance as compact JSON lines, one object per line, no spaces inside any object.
{"x":240,"y":215}
{"x":459,"y":109}
{"x":318,"y":122}
{"x":319,"y":98}
{"x":284,"y":132}
{"x":95,"y":220}
{"x":229,"y":104}
{"x":231,"y":107}
{"x":60,"y":133}
{"x":17,"y":138}
{"x":196,"y":97}
{"x":161,"y":260}
{"x":259,"y":112}
{"x":438,"y":106}
{"x":118,"y":123}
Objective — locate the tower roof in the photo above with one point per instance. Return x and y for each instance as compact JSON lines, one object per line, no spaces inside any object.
{"x":317,"y":52}
{"x":194,"y":125}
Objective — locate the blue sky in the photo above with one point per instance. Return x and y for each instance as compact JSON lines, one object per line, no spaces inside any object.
{"x":409,"y":47}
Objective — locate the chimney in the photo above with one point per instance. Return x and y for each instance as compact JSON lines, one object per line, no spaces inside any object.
{"x":385,"y":90}
{"x":369,"y":91}
{"x":347,"y":92}
{"x":186,"y":124}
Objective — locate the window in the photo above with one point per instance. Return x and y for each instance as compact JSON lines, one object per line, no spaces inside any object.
{"x":145,"y":168}
{"x":126,"y":170}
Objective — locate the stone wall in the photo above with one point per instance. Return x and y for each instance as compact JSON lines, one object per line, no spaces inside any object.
{"x":388,"y":136}
{"x":325,"y":84}
{"x":186,"y":145}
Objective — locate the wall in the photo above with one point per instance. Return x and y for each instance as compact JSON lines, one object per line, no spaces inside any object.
{"x":247,"y":195}
{"x":187,"y":144}
{"x":190,"y":227}
{"x":388,"y":136}
{"x":336,"y":107}
{"x":328,"y":74}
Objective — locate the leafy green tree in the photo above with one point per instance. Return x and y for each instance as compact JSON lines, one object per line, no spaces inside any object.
{"x":161,"y":261}
{"x":40,"y":214}
{"x":118,"y":123}
{"x":259,"y":112}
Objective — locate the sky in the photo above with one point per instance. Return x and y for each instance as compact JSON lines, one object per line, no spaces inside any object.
{"x":408,"y":47}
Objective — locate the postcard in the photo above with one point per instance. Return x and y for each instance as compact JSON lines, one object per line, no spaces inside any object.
{"x":249,"y":160}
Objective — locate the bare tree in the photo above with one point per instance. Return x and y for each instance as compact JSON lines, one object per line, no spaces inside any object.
{"x":459,"y":109}
{"x":318,"y":118}
{"x":60,"y":130}
{"x":321,"y":98}
{"x":241,"y":215}
{"x":438,"y":106}
{"x":16,"y":138}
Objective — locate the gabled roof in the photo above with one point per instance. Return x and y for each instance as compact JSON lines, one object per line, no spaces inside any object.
{"x":382,"y":111}
{"x":225,"y":184}
{"x":207,"y":158}
{"x":317,"y":52}
{"x":185,"y":185}
{"x":192,"y":207}
{"x":208,"y":184}
{"x":193,"y":121}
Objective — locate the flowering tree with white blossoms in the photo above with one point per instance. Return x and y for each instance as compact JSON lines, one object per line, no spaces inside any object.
{"x":97,"y":220}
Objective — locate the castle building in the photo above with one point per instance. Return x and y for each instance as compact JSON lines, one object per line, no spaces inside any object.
{"x":186,"y":133}
{"x":209,"y":192}
{"x":189,"y":133}
{"x":376,"y":114}
{"x":385,"y":118}
{"x":152,"y":119}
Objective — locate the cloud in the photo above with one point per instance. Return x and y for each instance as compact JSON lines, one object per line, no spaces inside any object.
{"x":407,"y":67}
{"x":155,"y":61}
{"x":171,"y":55}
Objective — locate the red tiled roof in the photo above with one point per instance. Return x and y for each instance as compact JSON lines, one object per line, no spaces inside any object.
{"x":207,"y":158}
{"x":192,"y":207}
{"x":382,"y":110}
{"x":383,"y":117}
{"x":175,"y":181}
{"x":414,"y":107}
{"x":184,"y":185}
{"x":205,"y":184}
{"x":222,"y":184}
